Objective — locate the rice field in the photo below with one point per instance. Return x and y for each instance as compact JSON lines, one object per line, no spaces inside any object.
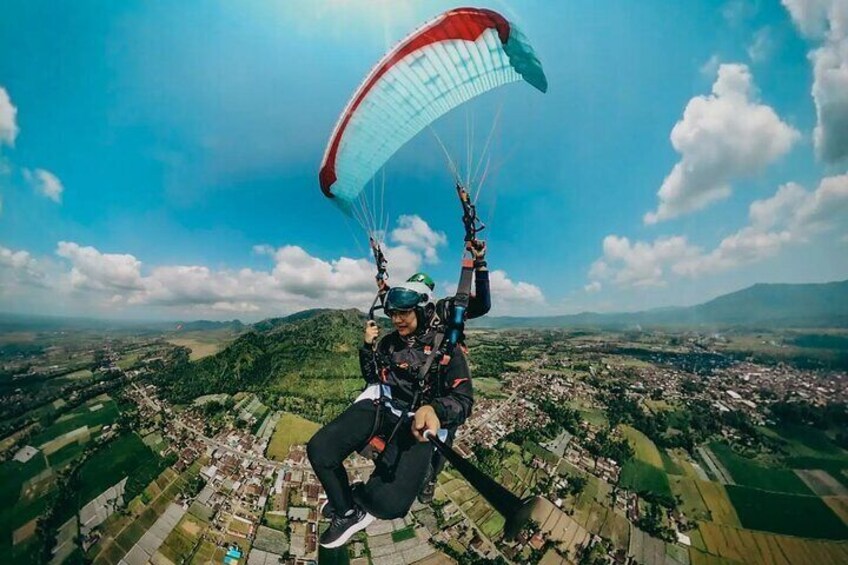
{"x":718,"y":503}
{"x":749,"y":473}
{"x":645,"y":449}
{"x":781,"y":513}
{"x":746,"y":546}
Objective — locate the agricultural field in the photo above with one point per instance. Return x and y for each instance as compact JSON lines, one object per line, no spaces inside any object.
{"x":641,"y":477}
{"x":290,"y":430}
{"x":749,"y":473}
{"x":718,"y":503}
{"x":779,"y":513}
{"x":125,"y":456}
{"x":487,"y":387}
{"x":22,"y":497}
{"x":745,"y":546}
{"x":203,"y":344}
{"x":645,"y":449}
{"x":692,"y":504}
{"x":99,"y":411}
{"x":805,"y":441}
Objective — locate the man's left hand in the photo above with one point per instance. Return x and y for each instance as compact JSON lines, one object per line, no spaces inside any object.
{"x":425,"y":419}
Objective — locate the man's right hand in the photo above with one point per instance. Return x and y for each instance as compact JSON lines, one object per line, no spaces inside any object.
{"x":372,"y":331}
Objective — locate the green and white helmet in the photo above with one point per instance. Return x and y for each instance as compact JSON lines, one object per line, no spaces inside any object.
{"x":415,"y":293}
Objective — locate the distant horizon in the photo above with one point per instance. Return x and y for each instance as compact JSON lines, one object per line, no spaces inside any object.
{"x":250,"y":321}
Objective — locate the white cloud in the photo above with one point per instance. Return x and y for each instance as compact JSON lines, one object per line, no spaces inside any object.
{"x":45,"y":183}
{"x":762,"y":45}
{"x":721,"y":137}
{"x":416,"y":234}
{"x":101,"y":271}
{"x":639,"y":264}
{"x":8,"y":119}
{"x":792,"y":216}
{"x":827,"y":21}
{"x":593,"y":287}
{"x":506,"y":291}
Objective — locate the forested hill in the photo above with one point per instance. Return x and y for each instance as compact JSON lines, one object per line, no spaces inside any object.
{"x":761,"y":305}
{"x":320,"y":344}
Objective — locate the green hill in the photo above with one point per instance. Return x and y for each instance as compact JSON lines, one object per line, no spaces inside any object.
{"x":307,"y":362}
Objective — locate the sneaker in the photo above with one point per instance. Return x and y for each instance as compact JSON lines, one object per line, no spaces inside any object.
{"x":343,"y":527}
{"x":427,"y":492}
{"x":327,"y":510}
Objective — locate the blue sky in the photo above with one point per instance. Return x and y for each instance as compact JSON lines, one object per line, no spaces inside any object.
{"x":161,"y":160}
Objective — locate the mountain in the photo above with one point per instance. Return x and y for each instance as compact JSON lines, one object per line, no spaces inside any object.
{"x":308,"y":354}
{"x":761,"y":305}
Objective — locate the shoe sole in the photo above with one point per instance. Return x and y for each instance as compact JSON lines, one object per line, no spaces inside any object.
{"x":348,"y":533}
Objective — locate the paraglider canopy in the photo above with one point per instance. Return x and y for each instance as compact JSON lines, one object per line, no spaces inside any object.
{"x":450,"y":60}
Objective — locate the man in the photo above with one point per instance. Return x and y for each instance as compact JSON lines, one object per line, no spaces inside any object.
{"x":392,"y":371}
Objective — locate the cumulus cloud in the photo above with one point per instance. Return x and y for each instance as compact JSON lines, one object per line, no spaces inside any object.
{"x":507,"y":291}
{"x":639,"y":263}
{"x":416,"y":234}
{"x":826,"y":21}
{"x":45,"y":183}
{"x":19,"y":272}
{"x":792,"y":215}
{"x":8,"y":119}
{"x":85,"y":275}
{"x":721,"y":137}
{"x":101,"y":271}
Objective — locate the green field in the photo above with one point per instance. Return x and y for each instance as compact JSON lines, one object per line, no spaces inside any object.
{"x":125,"y":456}
{"x":80,"y":416}
{"x":749,"y":473}
{"x":837,"y":469}
{"x":488,"y":387}
{"x":403,"y":534}
{"x":670,"y":465}
{"x":805,"y":516}
{"x":641,"y":477}
{"x":15,"y":510}
{"x":645,"y":449}
{"x":806,"y":441}
{"x":290,"y":430}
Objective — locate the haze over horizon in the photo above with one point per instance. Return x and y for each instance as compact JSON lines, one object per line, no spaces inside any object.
{"x":160,"y":161}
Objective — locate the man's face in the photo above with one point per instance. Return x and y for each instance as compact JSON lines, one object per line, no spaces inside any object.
{"x":405,"y":322}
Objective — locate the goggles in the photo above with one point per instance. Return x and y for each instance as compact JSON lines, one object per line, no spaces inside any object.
{"x":399,"y":298}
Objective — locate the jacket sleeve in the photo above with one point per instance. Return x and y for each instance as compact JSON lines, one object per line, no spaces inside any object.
{"x":481,"y":300}
{"x":454,"y":406}
{"x":367,"y":364}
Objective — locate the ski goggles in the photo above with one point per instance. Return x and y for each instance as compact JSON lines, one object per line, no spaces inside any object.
{"x":399,"y":298}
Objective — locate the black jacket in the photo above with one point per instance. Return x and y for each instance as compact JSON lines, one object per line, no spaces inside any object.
{"x":447,"y":388}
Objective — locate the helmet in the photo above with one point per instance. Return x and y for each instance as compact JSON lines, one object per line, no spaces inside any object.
{"x":407,"y":296}
{"x":423,"y":278}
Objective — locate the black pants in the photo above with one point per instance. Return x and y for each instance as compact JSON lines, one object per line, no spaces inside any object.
{"x":399,"y":474}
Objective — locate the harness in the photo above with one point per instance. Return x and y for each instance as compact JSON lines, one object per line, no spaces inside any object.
{"x":449,"y":327}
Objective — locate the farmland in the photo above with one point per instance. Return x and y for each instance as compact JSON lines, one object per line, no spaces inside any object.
{"x":641,"y":477}
{"x":779,"y":513}
{"x":751,"y":474}
{"x":645,"y":449}
{"x":290,"y":430}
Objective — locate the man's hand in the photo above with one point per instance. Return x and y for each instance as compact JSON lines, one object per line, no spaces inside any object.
{"x":371,"y":332}
{"x":425,"y":419}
